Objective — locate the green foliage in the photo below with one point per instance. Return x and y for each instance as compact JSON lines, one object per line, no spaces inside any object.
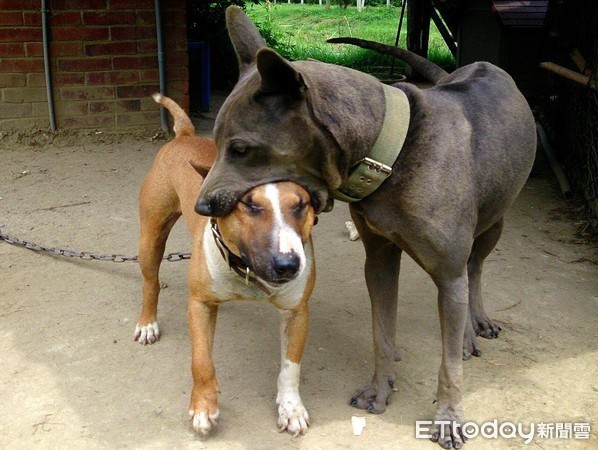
{"x":300,"y":32}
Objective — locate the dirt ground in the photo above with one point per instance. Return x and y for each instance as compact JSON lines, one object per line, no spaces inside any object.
{"x":72,"y":377}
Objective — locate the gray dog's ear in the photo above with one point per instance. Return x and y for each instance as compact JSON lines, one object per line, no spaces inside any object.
{"x":277,"y":74}
{"x":244,"y":35}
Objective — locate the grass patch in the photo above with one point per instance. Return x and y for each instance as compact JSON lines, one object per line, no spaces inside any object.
{"x":300,"y":32}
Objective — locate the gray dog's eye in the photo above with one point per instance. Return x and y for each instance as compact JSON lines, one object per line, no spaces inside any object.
{"x":237,"y":149}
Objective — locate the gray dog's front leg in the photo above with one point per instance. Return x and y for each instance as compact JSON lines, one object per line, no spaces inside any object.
{"x":453,"y":311}
{"x":382,"y":272}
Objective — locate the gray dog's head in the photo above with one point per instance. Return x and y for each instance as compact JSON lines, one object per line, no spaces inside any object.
{"x":282,"y":122}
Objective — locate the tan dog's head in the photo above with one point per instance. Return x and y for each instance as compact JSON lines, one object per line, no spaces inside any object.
{"x":269,"y":229}
{"x":302,"y":121}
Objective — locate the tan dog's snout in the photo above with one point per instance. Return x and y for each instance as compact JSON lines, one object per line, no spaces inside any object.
{"x":269,"y":229}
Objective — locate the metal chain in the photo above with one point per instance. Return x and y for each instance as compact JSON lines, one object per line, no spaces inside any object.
{"x":86,"y":256}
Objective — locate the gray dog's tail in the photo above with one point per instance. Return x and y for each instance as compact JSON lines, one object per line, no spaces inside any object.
{"x":426,"y":68}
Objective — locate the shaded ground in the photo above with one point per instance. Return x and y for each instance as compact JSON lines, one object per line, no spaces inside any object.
{"x":71,"y":375}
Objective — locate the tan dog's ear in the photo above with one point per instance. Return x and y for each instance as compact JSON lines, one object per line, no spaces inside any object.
{"x":202,"y":170}
{"x":278,"y":76}
{"x":244,"y":35}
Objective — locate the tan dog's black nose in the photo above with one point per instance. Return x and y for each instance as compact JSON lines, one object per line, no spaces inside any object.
{"x":286,"y":265}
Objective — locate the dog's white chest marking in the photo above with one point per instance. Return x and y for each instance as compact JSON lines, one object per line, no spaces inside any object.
{"x":227,"y":285}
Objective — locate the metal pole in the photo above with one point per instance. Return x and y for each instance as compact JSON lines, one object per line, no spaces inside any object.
{"x":47,"y":67}
{"x":161,"y":69}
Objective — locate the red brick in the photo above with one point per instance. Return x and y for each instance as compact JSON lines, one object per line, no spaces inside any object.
{"x":177,"y":16}
{"x":132,"y":33}
{"x":178,"y":87}
{"x":181,"y":4}
{"x":79,"y":4}
{"x":36,"y":79}
{"x":24,"y":94}
{"x":108,"y":18}
{"x":149,"y":76}
{"x":27,"y":65}
{"x":127,"y":4}
{"x":114,"y":106}
{"x":138,"y":118}
{"x":134,"y":62}
{"x":20,"y":34}
{"x":11,"y":18}
{"x":14,"y":110}
{"x":34,"y":49}
{"x":24,"y":124}
{"x":84,"y":64}
{"x":32,"y":18}
{"x":39,"y":109}
{"x":172,"y":34}
{"x":146,"y":18}
{"x":81,"y":33}
{"x":71,"y":108}
{"x":63,"y":18}
{"x":112,"y":78}
{"x":12,"y":79}
{"x":19,"y":5}
{"x":86,"y":93}
{"x":176,"y":73}
{"x":12,"y":50}
{"x":118,"y":48}
{"x":177,"y":58}
{"x":147,"y":46}
{"x":94,"y":121}
{"x":136,"y":91}
{"x":68,"y":79}
{"x":66,"y":49}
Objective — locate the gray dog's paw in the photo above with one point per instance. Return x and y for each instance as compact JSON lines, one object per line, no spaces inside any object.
{"x":470,"y":348}
{"x":449,"y":436}
{"x":470,"y":344}
{"x":373,"y":397}
{"x":486,"y":327}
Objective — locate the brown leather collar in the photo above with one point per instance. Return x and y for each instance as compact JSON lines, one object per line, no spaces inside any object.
{"x":235,"y":262}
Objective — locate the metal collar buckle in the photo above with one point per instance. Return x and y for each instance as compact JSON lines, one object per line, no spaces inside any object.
{"x":376,"y":166}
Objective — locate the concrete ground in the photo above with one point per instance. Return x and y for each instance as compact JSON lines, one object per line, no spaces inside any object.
{"x":72,"y":377}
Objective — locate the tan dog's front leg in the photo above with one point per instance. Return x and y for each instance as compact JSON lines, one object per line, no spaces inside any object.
{"x":292,"y":415}
{"x":203,"y":408}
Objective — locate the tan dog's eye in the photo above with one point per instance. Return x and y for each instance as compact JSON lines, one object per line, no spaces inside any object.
{"x":251,"y":208}
{"x":299,"y":208}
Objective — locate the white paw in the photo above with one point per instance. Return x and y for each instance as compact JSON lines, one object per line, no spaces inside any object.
{"x":147,"y":334}
{"x":202,"y":422}
{"x":292,"y":415}
{"x":353,"y":233}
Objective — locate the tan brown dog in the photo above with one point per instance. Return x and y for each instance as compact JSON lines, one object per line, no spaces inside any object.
{"x":266,"y":239}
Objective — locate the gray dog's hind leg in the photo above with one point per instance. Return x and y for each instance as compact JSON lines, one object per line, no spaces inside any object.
{"x":382,"y":266}
{"x":478,"y":323}
{"x":482,"y":247}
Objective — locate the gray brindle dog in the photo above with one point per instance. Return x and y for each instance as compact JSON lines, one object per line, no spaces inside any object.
{"x":428,"y":171}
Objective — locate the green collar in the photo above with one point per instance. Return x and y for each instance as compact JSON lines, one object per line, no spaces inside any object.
{"x":368,"y":174}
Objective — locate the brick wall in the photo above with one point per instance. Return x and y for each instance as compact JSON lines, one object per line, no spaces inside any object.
{"x":104,"y":63}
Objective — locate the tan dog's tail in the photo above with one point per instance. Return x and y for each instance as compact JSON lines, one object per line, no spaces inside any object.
{"x":182,"y":123}
{"x":426,"y":68}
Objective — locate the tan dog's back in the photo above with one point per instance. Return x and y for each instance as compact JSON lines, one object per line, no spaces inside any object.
{"x":172,"y":183}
